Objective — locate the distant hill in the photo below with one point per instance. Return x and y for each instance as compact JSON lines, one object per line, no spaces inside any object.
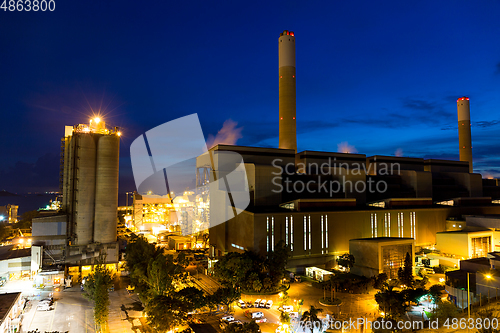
{"x":7,"y":194}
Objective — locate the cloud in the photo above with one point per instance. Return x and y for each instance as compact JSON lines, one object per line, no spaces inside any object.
{"x":485,"y":124}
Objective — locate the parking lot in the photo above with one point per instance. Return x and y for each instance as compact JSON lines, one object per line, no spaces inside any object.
{"x":71,"y":312}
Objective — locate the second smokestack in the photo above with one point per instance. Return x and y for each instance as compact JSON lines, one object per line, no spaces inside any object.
{"x":288,"y":127}
{"x":464,"y":133}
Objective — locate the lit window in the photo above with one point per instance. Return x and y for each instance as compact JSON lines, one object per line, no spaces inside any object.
{"x":305,"y":233}
{"x":309,"y":232}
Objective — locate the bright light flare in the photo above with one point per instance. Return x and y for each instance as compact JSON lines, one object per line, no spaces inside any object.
{"x":97,"y":120}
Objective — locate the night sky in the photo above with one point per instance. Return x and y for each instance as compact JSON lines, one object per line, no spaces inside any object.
{"x":379,"y":77}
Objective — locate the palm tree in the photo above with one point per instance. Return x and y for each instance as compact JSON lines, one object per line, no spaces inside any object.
{"x":311,"y":316}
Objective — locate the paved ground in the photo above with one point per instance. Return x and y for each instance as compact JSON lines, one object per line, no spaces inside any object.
{"x":72,"y":312}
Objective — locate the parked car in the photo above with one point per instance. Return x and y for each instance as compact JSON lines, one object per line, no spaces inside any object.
{"x":262,"y":303}
{"x":227,"y":318}
{"x":286,"y":308}
{"x":269,"y":304}
{"x":249,"y":305}
{"x":257,"y":302}
{"x":44,"y":306}
{"x":242,"y":304}
{"x":294,"y":315}
{"x":254,"y":314}
{"x":261,"y":320}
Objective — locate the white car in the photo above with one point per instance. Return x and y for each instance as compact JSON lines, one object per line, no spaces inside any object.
{"x":44,"y":306}
{"x":294,"y":315}
{"x":257,"y":315}
{"x":227,"y":318}
{"x":257,"y":302}
{"x":269,"y":304}
{"x":262,"y":303}
{"x":286,"y":308}
{"x":242,"y":304}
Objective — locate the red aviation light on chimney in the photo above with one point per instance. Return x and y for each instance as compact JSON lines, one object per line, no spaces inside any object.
{"x":291,"y":33}
{"x":463,"y":99}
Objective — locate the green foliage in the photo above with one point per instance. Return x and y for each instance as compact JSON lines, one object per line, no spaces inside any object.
{"x":435,"y":292}
{"x":226,"y":296}
{"x":346,"y":260}
{"x":284,"y":299}
{"x":348,"y":282}
{"x":284,"y":317}
{"x":252,"y":272}
{"x":420,"y":283}
{"x":405,"y":274}
{"x":393,"y":303}
{"x":413,"y":295}
{"x":444,"y":311}
{"x":5,"y":232}
{"x":96,"y":289}
{"x":251,"y":327}
{"x":160,"y":281}
{"x":381,"y":281}
{"x":311,"y":316}
{"x":439,"y":269}
{"x":488,"y":315}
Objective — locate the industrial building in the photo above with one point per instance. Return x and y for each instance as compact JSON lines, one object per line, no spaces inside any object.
{"x":316,"y":202}
{"x":8,"y":213}
{"x":86,"y":224}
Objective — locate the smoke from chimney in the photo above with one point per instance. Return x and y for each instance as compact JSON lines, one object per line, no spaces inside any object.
{"x":345,"y":147}
{"x":227,"y":135}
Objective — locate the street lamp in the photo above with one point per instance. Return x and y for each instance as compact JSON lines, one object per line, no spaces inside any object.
{"x":468,"y":298}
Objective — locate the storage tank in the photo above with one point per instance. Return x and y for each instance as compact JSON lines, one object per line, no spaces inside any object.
{"x":84,"y":189}
{"x":106,"y":200}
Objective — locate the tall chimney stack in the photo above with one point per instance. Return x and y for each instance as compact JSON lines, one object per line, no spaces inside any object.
{"x":464,"y":134}
{"x":288,"y":127}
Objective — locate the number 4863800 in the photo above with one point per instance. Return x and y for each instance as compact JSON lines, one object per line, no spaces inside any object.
{"x":28,"y":5}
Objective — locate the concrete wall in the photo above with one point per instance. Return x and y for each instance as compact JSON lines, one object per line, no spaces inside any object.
{"x":456,"y":243}
{"x":16,"y":265}
{"x":366,"y":256}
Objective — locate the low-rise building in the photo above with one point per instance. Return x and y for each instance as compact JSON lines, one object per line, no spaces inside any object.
{"x":11,"y":306}
{"x":380,"y":255}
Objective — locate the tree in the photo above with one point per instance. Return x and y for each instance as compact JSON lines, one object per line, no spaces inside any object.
{"x":284,"y":298}
{"x":484,"y":316}
{"x":381,"y":281}
{"x":257,"y":285}
{"x":139,"y":252}
{"x":420,"y":283}
{"x":96,"y":289}
{"x":346,"y":260}
{"x":232,"y":269}
{"x":435,"y":292}
{"x":310,"y":317}
{"x":251,"y":327}
{"x":392,"y":303}
{"x":445,"y":310}
{"x":405,"y":274}
{"x":227,"y":295}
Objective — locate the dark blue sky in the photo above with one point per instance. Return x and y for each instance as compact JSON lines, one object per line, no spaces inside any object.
{"x":381,"y":76}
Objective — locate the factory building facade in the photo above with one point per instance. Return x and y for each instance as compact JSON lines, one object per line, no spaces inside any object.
{"x":316,"y":202}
